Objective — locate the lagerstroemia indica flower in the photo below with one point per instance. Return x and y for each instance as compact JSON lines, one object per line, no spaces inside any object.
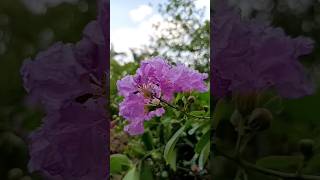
{"x":154,"y":81}
{"x":69,"y":81}
{"x":252,"y":56}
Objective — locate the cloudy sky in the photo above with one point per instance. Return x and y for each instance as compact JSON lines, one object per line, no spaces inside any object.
{"x":131,"y":22}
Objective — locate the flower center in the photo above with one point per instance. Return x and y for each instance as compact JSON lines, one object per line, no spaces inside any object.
{"x":146,"y":90}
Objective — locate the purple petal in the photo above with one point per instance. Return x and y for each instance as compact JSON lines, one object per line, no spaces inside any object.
{"x":126,"y":86}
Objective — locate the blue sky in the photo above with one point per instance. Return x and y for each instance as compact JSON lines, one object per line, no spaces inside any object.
{"x":131,"y":21}
{"x":120,"y":11}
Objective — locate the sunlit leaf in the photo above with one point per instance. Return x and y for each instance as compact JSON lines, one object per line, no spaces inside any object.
{"x":205,"y":139}
{"x":204,"y":154}
{"x":133,"y":174}
{"x":170,"y":146}
{"x":119,"y":163}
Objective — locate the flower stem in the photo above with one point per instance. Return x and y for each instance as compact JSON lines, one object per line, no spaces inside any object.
{"x":267,"y":171}
{"x":174,"y":107}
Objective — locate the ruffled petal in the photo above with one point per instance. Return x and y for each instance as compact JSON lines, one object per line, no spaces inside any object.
{"x":126,"y":86}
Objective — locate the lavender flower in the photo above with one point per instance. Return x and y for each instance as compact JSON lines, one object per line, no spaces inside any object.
{"x":70,"y":81}
{"x":71,"y":144}
{"x":154,"y":81}
{"x":250,"y":56}
{"x":55,"y":77}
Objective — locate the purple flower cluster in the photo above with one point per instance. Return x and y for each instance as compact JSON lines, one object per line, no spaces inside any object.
{"x":69,"y":81}
{"x":250,"y":56}
{"x":154,"y":81}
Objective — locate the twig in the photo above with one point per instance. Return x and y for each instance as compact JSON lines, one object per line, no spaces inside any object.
{"x":267,"y":171}
{"x":174,"y":107}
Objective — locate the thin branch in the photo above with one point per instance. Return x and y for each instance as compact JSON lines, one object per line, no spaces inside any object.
{"x":269,"y":172}
{"x":174,"y":107}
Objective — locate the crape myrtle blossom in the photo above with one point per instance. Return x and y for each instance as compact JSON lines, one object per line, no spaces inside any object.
{"x":69,"y":81}
{"x":252,"y":56}
{"x":154,"y":81}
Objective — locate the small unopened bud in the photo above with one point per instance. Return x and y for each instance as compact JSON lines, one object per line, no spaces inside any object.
{"x":155,"y":101}
{"x":306,"y":147}
{"x":260,"y":119}
{"x":191,"y":99}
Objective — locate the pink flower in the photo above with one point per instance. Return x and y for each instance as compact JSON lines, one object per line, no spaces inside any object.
{"x":250,"y":56}
{"x":155,"y":80}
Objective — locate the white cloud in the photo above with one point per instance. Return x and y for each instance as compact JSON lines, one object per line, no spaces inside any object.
{"x":137,"y":36}
{"x":206,"y":5}
{"x":140,"y":13}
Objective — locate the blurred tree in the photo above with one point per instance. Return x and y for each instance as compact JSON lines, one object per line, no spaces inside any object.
{"x":183,"y":35}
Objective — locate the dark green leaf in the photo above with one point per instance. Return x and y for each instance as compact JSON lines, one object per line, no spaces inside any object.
{"x":202,"y":142}
{"x":274,"y":104}
{"x":204,"y":154}
{"x":219,"y":112}
{"x":119,"y":163}
{"x":147,"y":140}
{"x":173,"y":159}
{"x":146,"y":172}
{"x":170,"y":146}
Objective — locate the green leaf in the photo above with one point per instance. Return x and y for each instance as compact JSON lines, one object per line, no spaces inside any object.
{"x":147,"y":140}
{"x":132,"y":174}
{"x":205,"y":138}
{"x":170,"y":146}
{"x":197,"y":113}
{"x":194,"y":128}
{"x":204,"y":154}
{"x":179,"y":96}
{"x":219,"y":112}
{"x":283,"y":163}
{"x":274,"y":104}
{"x":173,"y":159}
{"x":313,"y":165}
{"x":119,"y":163}
{"x":146,"y":172}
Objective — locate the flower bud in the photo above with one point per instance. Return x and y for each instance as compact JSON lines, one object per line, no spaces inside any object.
{"x":191,"y":99}
{"x":306,"y":147}
{"x":260,"y":119}
{"x":155,"y":101}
